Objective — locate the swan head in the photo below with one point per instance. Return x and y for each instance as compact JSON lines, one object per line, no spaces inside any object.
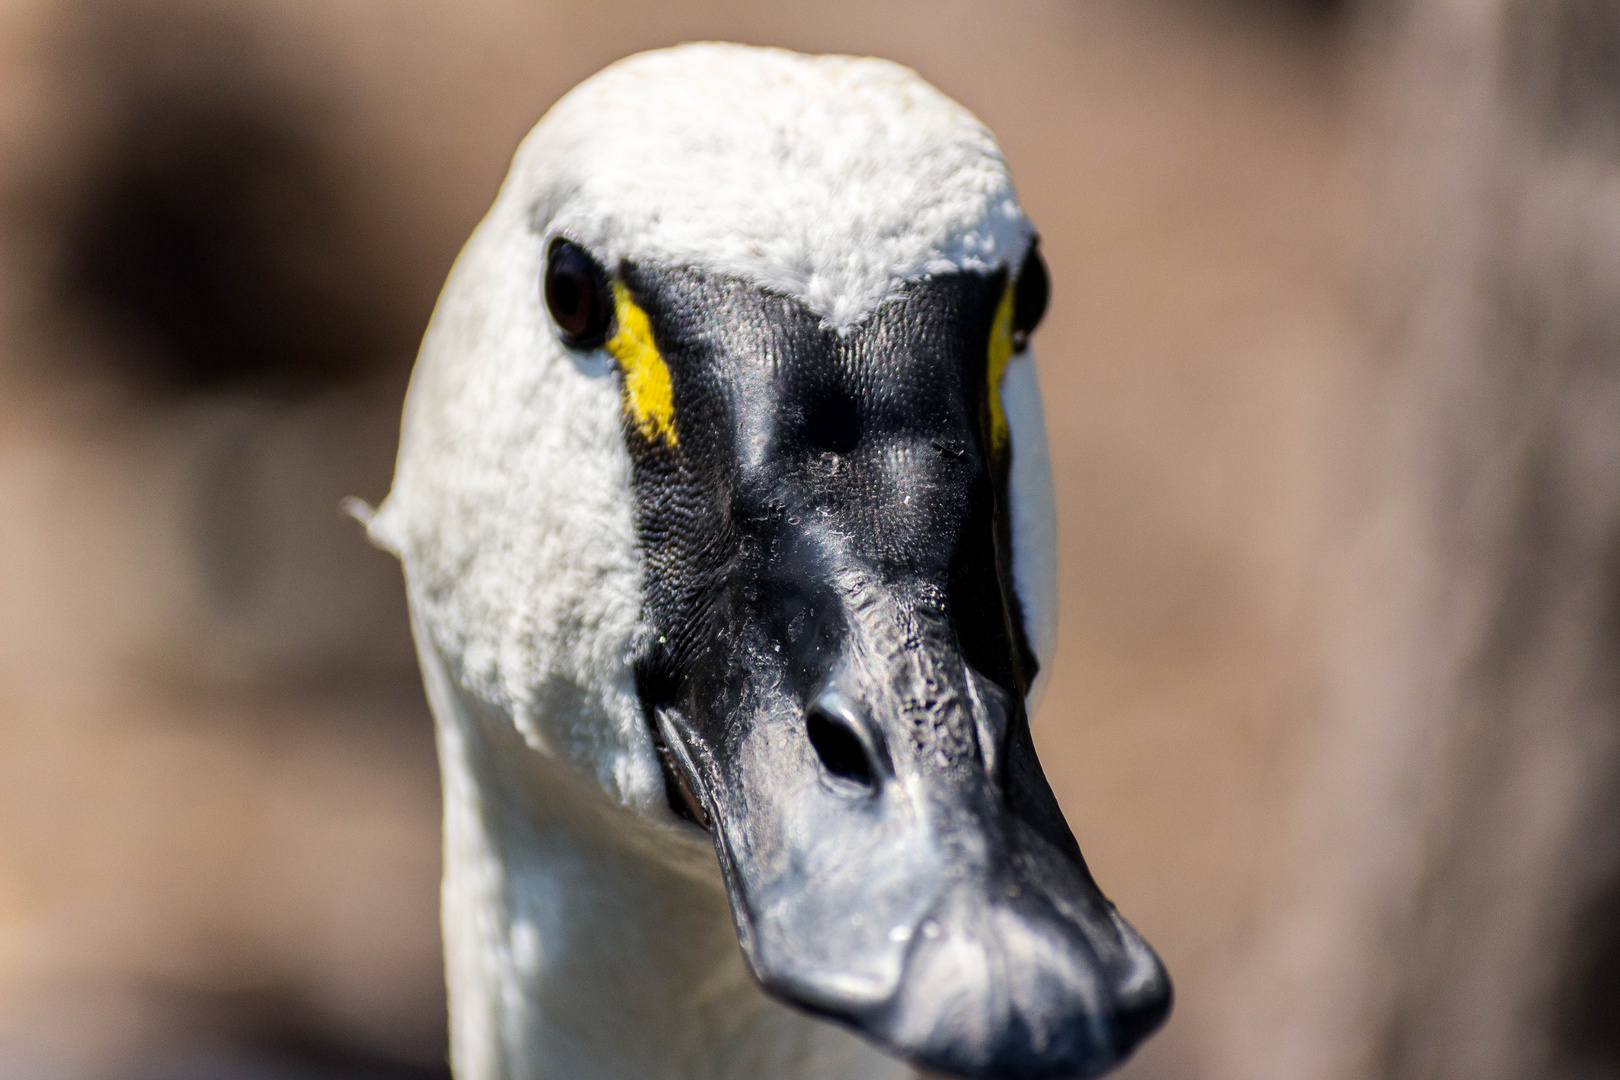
{"x":723,"y":480}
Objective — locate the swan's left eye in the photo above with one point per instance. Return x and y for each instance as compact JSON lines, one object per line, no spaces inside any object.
{"x":1029,"y":301}
{"x":577,"y":295}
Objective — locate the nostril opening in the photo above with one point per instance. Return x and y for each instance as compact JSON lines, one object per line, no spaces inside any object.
{"x":832,"y":421}
{"x":839,"y":748}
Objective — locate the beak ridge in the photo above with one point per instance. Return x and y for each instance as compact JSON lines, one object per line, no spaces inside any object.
{"x":961,"y":940}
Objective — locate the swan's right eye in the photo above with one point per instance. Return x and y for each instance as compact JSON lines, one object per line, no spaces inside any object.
{"x":577,"y":295}
{"x":1029,"y":301}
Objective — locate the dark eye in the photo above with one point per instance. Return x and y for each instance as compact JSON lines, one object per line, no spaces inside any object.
{"x":577,"y":295}
{"x":1029,"y":299}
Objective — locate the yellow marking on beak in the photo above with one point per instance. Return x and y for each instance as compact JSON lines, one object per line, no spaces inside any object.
{"x":1001,"y":351}
{"x":649,"y":399}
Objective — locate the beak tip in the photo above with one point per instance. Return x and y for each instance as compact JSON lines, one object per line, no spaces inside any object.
{"x":986,"y":1009}
{"x":1143,"y":1004}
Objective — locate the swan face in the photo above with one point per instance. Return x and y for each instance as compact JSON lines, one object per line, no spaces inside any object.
{"x":778,"y":536}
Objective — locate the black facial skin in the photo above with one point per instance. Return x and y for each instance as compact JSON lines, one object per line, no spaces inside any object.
{"x":836,"y":671}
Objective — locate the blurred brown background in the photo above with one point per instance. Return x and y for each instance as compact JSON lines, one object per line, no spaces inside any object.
{"x":1333,"y":378}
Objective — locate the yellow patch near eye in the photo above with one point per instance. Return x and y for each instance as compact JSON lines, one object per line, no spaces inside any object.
{"x":1001,"y":351}
{"x":649,"y":398}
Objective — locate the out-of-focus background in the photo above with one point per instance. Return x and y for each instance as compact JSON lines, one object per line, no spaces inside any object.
{"x":1333,"y":378}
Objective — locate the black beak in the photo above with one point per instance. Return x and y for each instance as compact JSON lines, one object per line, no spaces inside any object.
{"x":837,"y":682}
{"x":922,"y":890}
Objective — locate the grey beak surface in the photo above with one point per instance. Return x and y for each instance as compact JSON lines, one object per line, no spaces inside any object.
{"x":837,"y":671}
{"x":914,"y":903}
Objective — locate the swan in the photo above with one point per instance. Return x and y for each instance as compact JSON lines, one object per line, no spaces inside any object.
{"x":725,"y":515}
